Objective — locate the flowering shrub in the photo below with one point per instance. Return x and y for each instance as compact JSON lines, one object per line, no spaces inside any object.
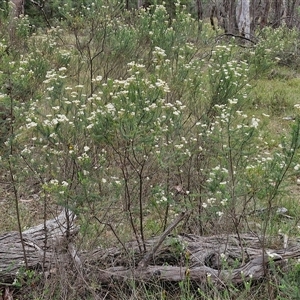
{"x":273,"y":47}
{"x":127,"y":119}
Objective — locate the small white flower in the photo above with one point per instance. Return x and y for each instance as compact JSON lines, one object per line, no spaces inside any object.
{"x":223,"y":256}
{"x":90,"y":126}
{"x":61,"y":118}
{"x":26,"y":151}
{"x":98,"y":78}
{"x":54,"y":181}
{"x":254,"y":122}
{"x":219,"y":213}
{"x":233,"y":101}
{"x":224,"y":201}
{"x":163,"y":199}
{"x":86,"y":148}
{"x":296,"y":168}
{"x":110,"y":107}
{"x":31,"y":124}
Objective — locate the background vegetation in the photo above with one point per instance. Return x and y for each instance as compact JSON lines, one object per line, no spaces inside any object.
{"x":129,"y":117}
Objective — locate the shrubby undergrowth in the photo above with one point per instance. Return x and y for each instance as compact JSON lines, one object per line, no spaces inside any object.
{"x":128,"y":118}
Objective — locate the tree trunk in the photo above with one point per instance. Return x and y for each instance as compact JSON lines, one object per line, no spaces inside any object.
{"x":284,"y":12}
{"x":199,"y":9}
{"x":146,"y":3}
{"x":264,"y":18}
{"x":277,"y":13}
{"x":18,"y":7}
{"x":243,"y":17}
{"x":228,"y":13}
{"x":291,"y":12}
{"x":256,"y":14}
{"x":139,"y":3}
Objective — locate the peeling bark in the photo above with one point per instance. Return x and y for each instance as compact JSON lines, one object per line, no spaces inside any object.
{"x":44,"y":248}
{"x":222,"y":259}
{"x":17,"y":7}
{"x":243,"y":18}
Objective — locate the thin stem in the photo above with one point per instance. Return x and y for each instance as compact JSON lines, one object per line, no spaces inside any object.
{"x":13,"y":179}
{"x":17,"y":211}
{"x":141,"y":206}
{"x":44,"y":210}
{"x":168,"y":205}
{"x":123,"y":159}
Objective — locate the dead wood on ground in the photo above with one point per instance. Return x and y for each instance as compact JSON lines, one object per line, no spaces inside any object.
{"x":222,"y":259}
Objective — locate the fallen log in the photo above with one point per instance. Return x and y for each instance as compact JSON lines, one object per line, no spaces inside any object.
{"x":45,"y":246}
{"x":252,"y":271}
{"x":222,"y":259}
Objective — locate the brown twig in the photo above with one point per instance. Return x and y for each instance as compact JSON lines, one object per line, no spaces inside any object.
{"x":145,"y":261}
